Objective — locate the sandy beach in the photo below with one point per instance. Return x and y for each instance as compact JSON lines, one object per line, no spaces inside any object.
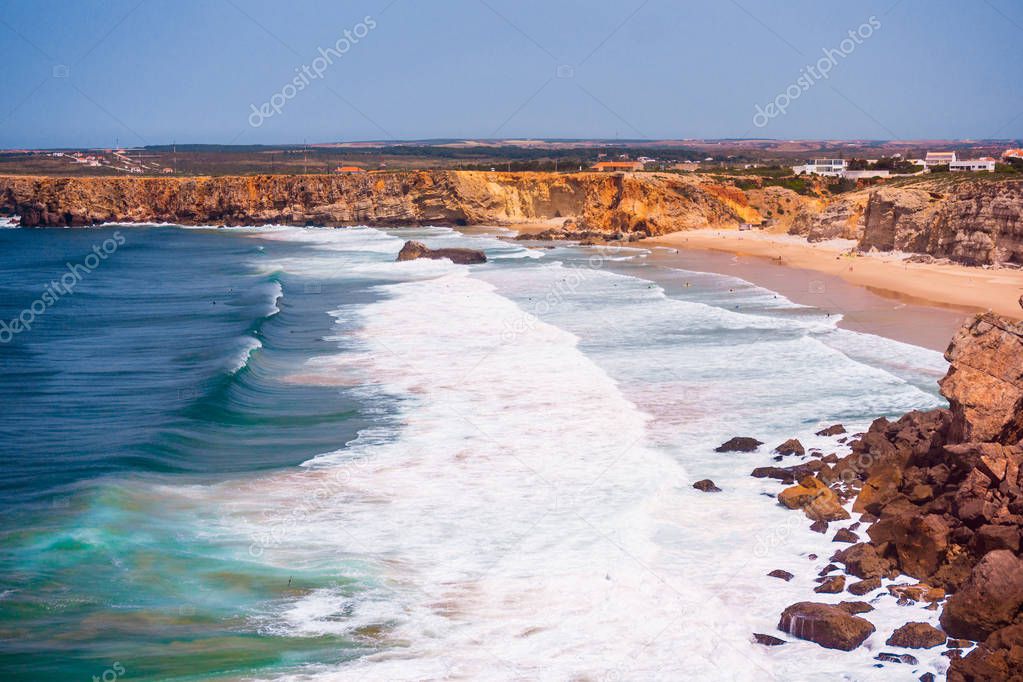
{"x":965,"y":288}
{"x":921,"y":304}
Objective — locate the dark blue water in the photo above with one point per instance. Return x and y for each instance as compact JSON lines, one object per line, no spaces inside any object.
{"x":145,"y":366}
{"x":167,"y":361}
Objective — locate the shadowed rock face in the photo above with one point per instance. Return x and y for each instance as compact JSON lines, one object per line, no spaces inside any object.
{"x":414,"y":250}
{"x":973,"y":222}
{"x":990,"y":599}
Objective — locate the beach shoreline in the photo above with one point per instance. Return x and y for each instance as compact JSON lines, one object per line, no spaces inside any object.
{"x":967,"y":289}
{"x":804,"y":274}
{"x":862,"y":308}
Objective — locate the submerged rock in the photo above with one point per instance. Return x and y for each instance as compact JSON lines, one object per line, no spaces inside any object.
{"x":767,"y":640}
{"x":739,"y":444}
{"x":707,"y":486}
{"x":830,"y":626}
{"x":833,"y":430}
{"x":783,"y":475}
{"x":896,"y":658}
{"x":790,"y":447}
{"x":413,"y":250}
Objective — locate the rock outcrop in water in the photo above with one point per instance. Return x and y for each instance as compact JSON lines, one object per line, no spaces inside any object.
{"x":829,"y":625}
{"x":413,"y":250}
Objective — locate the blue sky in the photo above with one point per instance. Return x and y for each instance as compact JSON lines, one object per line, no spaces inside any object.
{"x":89,"y":73}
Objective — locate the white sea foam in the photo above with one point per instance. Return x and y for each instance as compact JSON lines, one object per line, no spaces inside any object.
{"x":532,"y":515}
{"x":515,"y":515}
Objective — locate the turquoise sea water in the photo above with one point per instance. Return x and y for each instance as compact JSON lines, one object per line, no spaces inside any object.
{"x":275,"y":453}
{"x":163,"y":366}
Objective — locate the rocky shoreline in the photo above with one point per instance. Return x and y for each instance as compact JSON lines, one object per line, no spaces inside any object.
{"x":938,"y":499}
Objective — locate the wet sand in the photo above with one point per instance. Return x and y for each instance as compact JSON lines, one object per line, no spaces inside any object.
{"x":886,"y":305}
{"x":879,"y":312}
{"x":969,"y":289}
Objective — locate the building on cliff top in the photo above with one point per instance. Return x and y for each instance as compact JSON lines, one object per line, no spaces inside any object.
{"x":828,"y":167}
{"x":863,"y":174}
{"x":349,"y":169}
{"x":1012,"y":154}
{"x":983,"y":164}
{"x":940,"y":159}
{"x":612,"y":166}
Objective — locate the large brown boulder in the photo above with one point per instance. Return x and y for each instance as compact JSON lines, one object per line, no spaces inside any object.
{"x":830,"y":626}
{"x":999,"y":657}
{"x":863,"y":561}
{"x":916,"y":438}
{"x":878,"y":490}
{"x":984,"y":384}
{"x":920,"y":542}
{"x":818,"y":501}
{"x":990,"y":599}
{"x":917,"y":636}
{"x":413,"y":250}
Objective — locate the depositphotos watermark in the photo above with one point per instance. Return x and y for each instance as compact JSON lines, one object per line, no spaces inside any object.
{"x":111,"y":674}
{"x":310,"y":72}
{"x":810,"y":75}
{"x":57,"y":289}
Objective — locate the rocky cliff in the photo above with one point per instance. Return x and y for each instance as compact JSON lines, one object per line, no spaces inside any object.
{"x":974,"y":222}
{"x":840,"y":217}
{"x":641,"y":204}
{"x":941,"y":497}
{"x":971,"y":221}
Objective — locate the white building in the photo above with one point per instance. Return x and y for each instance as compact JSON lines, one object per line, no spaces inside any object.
{"x":861,"y":174}
{"x":940,"y":159}
{"x":829,"y":167}
{"x":983,"y":164}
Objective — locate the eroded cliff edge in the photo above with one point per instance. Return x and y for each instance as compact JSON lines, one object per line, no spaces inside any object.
{"x":634,"y":204}
{"x":971,"y":221}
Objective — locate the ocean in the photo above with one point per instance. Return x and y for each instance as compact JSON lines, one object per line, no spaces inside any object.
{"x":273,"y":453}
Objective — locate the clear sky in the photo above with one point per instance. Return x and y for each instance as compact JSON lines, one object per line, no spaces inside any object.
{"x":92,"y":73}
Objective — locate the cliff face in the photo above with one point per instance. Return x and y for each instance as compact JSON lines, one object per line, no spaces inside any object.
{"x":633,"y":203}
{"x":840,"y":218}
{"x":974,"y":222}
{"x":970,"y":221}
